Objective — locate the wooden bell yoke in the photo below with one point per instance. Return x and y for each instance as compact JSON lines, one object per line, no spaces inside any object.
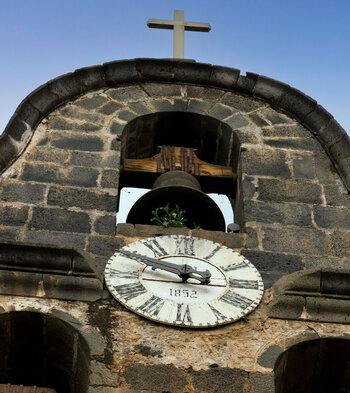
{"x":179,"y":177}
{"x":213,"y":178}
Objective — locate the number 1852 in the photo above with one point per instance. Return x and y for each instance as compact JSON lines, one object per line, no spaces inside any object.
{"x":183,"y":293}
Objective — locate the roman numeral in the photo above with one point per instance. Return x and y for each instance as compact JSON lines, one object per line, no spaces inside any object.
{"x":183,"y":314}
{"x":152,"y":306}
{"x":121,"y":274}
{"x":236,"y":300}
{"x":243,"y":284}
{"x":185,"y":246}
{"x":129,"y":291}
{"x":157,"y":249}
{"x":219,"y":317}
{"x":216,"y":249}
{"x":234,"y":266}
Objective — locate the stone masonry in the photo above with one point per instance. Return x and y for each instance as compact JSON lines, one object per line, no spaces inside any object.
{"x":61,"y":160}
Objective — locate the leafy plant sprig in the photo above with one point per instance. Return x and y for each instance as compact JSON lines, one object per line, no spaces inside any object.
{"x":167,"y":217}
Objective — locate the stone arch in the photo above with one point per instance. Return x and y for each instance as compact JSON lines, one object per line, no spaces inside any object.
{"x":321,"y":365}
{"x":42,"y":350}
{"x":281,"y":96}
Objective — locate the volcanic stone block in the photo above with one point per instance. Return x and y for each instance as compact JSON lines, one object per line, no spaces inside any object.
{"x":274,"y":262}
{"x":106,"y":225}
{"x":82,"y":177}
{"x":81,"y":142}
{"x":289,"y":191}
{"x":258,"y":120}
{"x":121,"y":71}
{"x":60,"y":220}
{"x":16,"y":129}
{"x":8,"y":150}
{"x":297,"y":103}
{"x":219,"y":380}
{"x":287,"y":130}
{"x":317,"y":119}
{"x":110,"y":178}
{"x":224,"y":77}
{"x":304,"y":167}
{"x":295,"y":241}
{"x":282,"y":213}
{"x":110,"y":107}
{"x":340,"y":243}
{"x":269,"y":357}
{"x":308,"y":144}
{"x":265,"y":162}
{"x":156,"y":69}
{"x":269,"y":89}
{"x":237,"y":121}
{"x":12,"y":216}
{"x":23,"y":192}
{"x":203,"y":93}
{"x":245,"y":84}
{"x":163,"y":90}
{"x":68,"y":197}
{"x":220,"y":111}
{"x":92,"y":77}
{"x":196,"y":73}
{"x":104,"y":245}
{"x":331,"y":133}
{"x":66,"y":86}
{"x":332,"y":217}
{"x":43,"y":99}
{"x":156,"y":377}
{"x":91,"y":102}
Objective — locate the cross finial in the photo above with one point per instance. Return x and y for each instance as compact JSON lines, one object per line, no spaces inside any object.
{"x":179,"y":26}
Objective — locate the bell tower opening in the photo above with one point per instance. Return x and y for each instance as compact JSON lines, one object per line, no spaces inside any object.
{"x":182,"y":156}
{"x":40,"y":350}
{"x":315,"y":366}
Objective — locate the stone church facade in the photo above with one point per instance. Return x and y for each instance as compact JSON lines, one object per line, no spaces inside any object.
{"x":62,"y":158}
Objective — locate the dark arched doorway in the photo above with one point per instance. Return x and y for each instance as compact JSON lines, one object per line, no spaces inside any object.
{"x":42,"y":350}
{"x":315,"y":366}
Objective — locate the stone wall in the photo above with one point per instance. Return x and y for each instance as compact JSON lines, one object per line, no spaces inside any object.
{"x":61,"y":155}
{"x":291,"y":203}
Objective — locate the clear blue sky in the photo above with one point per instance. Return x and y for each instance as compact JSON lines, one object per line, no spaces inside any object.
{"x":305,"y":43}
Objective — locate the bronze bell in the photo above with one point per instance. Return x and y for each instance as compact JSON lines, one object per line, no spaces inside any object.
{"x":182,"y":189}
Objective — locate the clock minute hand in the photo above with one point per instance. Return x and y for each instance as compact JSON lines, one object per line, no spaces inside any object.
{"x":183,"y":271}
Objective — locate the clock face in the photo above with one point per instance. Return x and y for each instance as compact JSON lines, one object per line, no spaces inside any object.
{"x":184,"y":281}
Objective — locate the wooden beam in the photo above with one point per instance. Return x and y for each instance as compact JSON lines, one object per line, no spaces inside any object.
{"x":177,"y":158}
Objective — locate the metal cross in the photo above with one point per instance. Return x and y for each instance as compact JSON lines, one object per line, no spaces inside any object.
{"x":179,"y":26}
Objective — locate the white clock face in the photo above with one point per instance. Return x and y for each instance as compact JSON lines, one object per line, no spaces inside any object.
{"x":235,"y":287}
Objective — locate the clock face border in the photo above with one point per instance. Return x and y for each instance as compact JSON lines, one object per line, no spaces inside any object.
{"x":219,"y":257}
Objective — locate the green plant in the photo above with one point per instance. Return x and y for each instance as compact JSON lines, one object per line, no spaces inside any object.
{"x":167,"y":217}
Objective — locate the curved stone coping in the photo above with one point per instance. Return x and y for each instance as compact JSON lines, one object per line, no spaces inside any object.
{"x":321,"y":295}
{"x":279,"y":95}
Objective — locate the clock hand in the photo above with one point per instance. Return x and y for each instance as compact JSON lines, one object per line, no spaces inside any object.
{"x":183,"y":271}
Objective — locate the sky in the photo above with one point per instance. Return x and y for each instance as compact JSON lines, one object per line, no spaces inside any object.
{"x":305,"y":43}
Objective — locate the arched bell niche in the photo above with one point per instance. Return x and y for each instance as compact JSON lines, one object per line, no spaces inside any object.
{"x":213,"y":140}
{"x":200,"y":145}
{"x":42,"y":350}
{"x":315,"y":366}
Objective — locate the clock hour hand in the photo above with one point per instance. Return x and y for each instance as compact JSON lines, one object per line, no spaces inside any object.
{"x":183,"y":271}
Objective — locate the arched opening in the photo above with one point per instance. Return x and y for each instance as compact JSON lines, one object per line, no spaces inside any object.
{"x":213,"y":140}
{"x":200,"y":145}
{"x":42,"y":350}
{"x":315,"y":366}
